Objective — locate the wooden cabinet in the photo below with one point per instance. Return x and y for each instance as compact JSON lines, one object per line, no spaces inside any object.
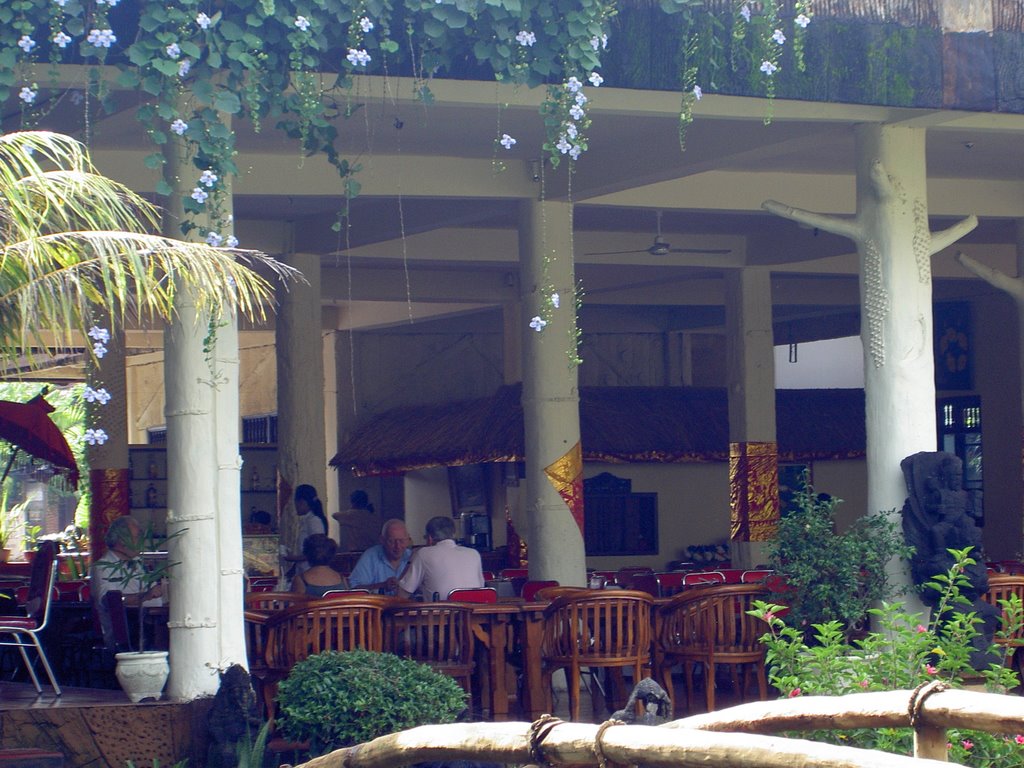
{"x":616,"y":520}
{"x":148,"y":476}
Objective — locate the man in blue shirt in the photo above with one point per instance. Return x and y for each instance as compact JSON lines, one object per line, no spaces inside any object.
{"x":381,"y":565}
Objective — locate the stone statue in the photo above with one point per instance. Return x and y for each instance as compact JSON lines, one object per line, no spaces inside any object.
{"x":939,"y":515}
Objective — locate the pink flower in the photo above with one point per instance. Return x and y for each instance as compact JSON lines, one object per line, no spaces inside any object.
{"x":920,"y":628}
{"x":794,"y":693}
{"x":1019,"y":738}
{"x":930,"y":669}
{"x":769,"y":616}
{"x":949,"y":745}
{"x":863,"y":683}
{"x":967,"y":743}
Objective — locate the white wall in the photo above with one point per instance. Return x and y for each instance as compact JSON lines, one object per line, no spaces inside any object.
{"x":426,"y":496}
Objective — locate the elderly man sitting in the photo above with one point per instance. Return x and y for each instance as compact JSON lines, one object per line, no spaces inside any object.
{"x":380,"y":566}
{"x":442,"y":565}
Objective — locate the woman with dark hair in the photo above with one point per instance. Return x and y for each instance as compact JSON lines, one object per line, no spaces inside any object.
{"x":312,"y":521}
{"x":320,"y":577}
{"x":358,"y":526}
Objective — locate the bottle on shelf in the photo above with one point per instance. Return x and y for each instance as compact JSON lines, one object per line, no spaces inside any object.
{"x":151,"y":500}
{"x":154,"y":470}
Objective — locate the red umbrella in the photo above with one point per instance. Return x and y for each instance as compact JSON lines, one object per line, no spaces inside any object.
{"x":28,"y":427}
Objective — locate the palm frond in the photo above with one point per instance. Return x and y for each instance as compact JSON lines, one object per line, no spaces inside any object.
{"x":71,"y":238}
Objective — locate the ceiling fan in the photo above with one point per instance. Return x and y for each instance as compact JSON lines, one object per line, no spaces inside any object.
{"x":661,"y":247}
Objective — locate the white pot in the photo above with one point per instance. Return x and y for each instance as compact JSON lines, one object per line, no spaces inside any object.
{"x":142,"y":675}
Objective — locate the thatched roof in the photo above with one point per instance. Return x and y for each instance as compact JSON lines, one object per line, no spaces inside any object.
{"x":617,"y":424}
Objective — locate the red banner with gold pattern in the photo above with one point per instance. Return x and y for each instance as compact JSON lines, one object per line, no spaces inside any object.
{"x":109,"y":502}
{"x":753,"y":491}
{"x":566,"y":475}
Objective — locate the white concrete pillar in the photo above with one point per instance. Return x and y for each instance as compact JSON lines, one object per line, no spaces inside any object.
{"x":753,"y":451}
{"x":895,"y":247}
{"x":206,"y":615}
{"x":551,"y":393}
{"x":329,"y":494}
{"x":300,"y":390}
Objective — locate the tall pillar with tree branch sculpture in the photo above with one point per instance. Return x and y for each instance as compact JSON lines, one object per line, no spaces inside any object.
{"x":895,"y":246}
{"x":554,"y":463}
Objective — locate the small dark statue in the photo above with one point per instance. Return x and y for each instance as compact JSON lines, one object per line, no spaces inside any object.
{"x":233,"y":716}
{"x":939,"y":515}
{"x":657,"y":705}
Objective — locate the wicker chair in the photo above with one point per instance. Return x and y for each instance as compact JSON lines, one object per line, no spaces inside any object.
{"x":598,"y":629}
{"x":710,"y":626}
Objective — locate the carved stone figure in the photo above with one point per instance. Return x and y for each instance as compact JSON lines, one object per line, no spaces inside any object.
{"x":939,"y":515}
{"x":233,"y":716}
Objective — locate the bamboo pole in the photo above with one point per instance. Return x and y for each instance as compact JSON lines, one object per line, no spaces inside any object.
{"x":574,"y":744}
{"x":732,"y":738}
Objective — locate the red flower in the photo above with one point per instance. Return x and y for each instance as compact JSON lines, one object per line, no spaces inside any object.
{"x":795,"y":692}
{"x":967,"y":743}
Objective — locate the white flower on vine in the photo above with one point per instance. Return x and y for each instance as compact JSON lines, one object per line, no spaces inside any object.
{"x":203,"y":21}
{"x":99,"y":334}
{"x":61,"y":39}
{"x":599,"y":42}
{"x":802,"y":21}
{"x":208,"y":177}
{"x":302,"y":23}
{"x":26,"y":43}
{"x":538,"y":323}
{"x":570,"y":130}
{"x":27,"y":94}
{"x":507,"y":141}
{"x":358,"y":57}
{"x":173,"y":50}
{"x":563,"y":145}
{"x":101,"y":38}
{"x":576,"y":151}
{"x":526,"y":38}
{"x":99,"y":349}
{"x":576,"y":112}
{"x":556,"y":300}
{"x":768,"y":67}
{"x":184,"y":67}
{"x":580,"y":98}
{"x":365,"y":24}
{"x":100,"y":395}
{"x":179,"y":127}
{"x":111,"y":3}
{"x":745,"y":12}
{"x":595,"y":79}
{"x":61,"y":3}
{"x":231,"y":241}
{"x":95,"y":436}
{"x":199,"y":195}
{"x":698,"y":94}
{"x":573,"y":85}
{"x":214,"y":239}
{"x":778,"y":36}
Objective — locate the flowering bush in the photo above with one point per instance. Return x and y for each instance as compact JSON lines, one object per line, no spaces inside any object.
{"x":900,"y":653}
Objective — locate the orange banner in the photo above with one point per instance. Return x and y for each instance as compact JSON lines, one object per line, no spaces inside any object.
{"x":753,"y":491}
{"x":110,"y":489}
{"x":566,"y":475}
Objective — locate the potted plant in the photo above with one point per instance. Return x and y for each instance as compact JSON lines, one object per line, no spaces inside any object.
{"x":141,"y":673}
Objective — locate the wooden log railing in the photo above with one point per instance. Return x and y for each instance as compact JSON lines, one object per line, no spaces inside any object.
{"x":730,"y":738}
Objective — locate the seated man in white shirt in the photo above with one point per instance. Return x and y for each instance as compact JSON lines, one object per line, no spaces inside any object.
{"x":441,"y":566}
{"x":114,"y":571}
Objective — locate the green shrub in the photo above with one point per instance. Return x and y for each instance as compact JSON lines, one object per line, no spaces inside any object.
{"x":833,"y":576}
{"x":899,"y":655}
{"x":337,"y":700}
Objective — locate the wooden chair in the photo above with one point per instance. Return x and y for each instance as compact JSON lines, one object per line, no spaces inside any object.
{"x":1002,"y":586}
{"x":437,"y":634}
{"x":474,"y":595}
{"x":598,"y":629}
{"x":710,"y":626}
{"x":259,"y":606}
{"x":514,"y":573}
{"x":314,"y":625}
